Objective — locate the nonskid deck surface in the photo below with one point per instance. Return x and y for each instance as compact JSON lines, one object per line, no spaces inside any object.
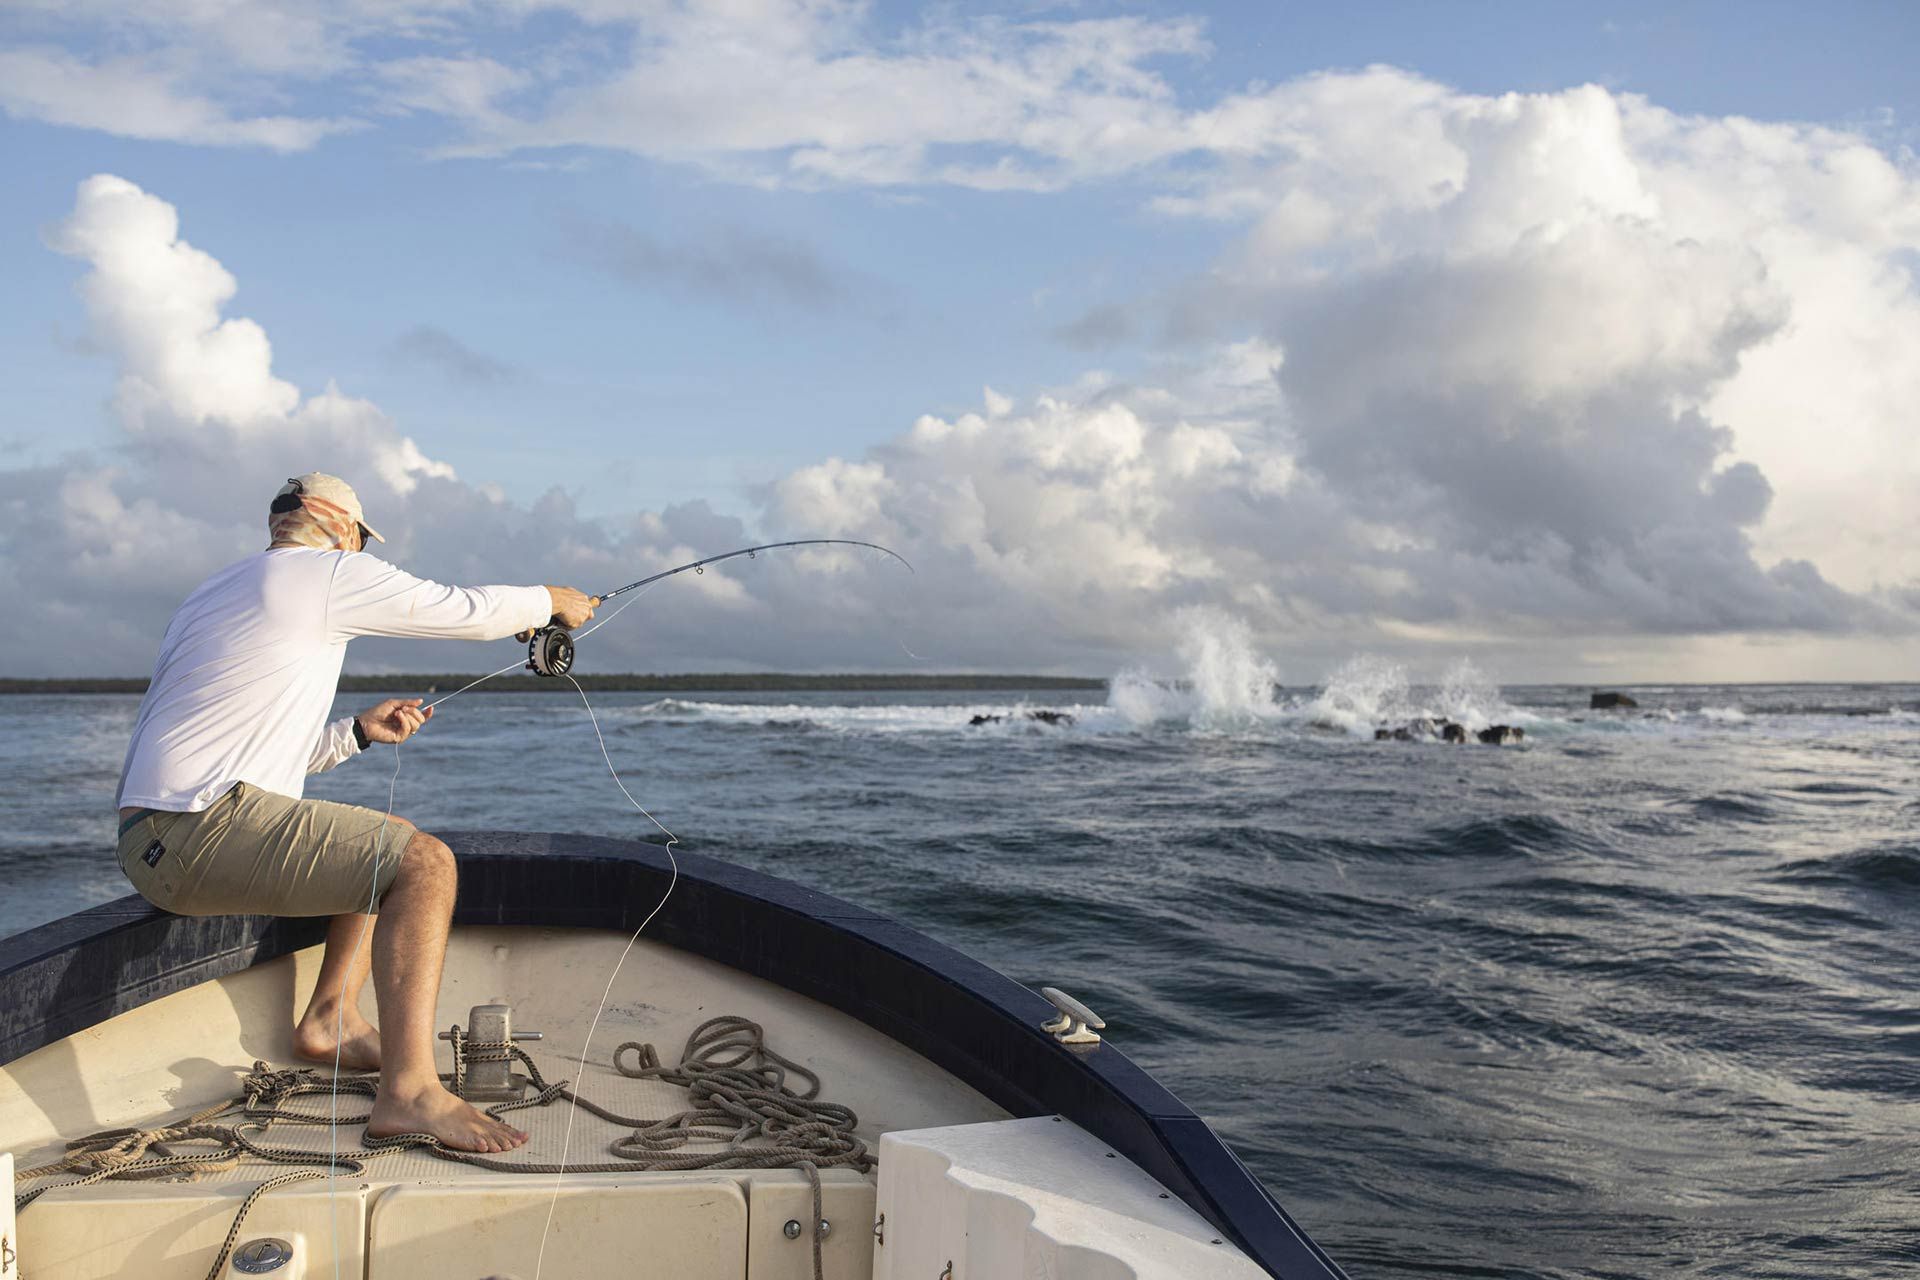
{"x":176,"y":1055}
{"x":562,"y":1137}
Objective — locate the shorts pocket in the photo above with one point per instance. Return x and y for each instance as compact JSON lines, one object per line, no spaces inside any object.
{"x":150,"y":857}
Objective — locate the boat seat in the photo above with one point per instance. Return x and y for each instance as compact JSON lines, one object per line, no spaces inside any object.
{"x":711,"y":1225}
{"x":1035,"y":1197}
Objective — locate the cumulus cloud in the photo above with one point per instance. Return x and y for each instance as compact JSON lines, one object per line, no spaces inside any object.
{"x":1545,"y":364}
{"x":1593,"y":288}
{"x":1469,"y":370}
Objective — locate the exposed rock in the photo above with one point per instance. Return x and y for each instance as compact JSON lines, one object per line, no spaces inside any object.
{"x":1043,"y":717}
{"x":1608,"y":701}
{"x":1427,"y":728}
{"x":1501,"y":734}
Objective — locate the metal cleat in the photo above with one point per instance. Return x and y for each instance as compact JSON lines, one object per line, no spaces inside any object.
{"x":483,"y":1067}
{"x":1072,"y":1026}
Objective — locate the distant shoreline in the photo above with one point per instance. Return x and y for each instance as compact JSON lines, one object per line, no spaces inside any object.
{"x":707,"y":682}
{"x":843,"y":682}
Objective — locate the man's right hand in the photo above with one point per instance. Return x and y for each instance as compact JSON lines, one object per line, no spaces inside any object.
{"x":572,"y":608}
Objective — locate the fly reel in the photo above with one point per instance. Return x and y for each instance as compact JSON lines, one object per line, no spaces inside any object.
{"x":550,"y":652}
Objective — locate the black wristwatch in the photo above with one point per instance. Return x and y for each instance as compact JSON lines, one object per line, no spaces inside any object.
{"x":360,"y":734}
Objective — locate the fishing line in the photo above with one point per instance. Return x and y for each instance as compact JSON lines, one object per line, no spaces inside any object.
{"x":580,"y":1070}
{"x":470,"y":684}
{"x":550,"y":652}
{"x":340,"y":1019}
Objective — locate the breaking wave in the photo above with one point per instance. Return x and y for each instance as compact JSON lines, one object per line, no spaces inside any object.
{"x":1367,"y":693}
{"x":1226,"y":683}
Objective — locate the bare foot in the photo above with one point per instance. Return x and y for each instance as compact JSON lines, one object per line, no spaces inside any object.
{"x":434,"y":1110}
{"x":357,"y":1040}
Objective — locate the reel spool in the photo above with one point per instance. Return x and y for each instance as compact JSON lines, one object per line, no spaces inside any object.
{"x":550,"y":652}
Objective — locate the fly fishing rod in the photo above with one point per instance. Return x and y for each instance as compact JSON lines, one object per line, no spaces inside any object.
{"x":550,"y":649}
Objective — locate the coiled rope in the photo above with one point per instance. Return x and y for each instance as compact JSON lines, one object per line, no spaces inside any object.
{"x":741,"y":1103}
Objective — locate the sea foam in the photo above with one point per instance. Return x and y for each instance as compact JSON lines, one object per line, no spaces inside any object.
{"x":1226,"y":683}
{"x":1366,"y":692}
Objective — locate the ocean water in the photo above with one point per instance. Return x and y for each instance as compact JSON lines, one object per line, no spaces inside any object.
{"x":1638,"y":997}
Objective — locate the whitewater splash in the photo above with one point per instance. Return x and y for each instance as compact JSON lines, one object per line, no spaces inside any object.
{"x":1226,"y":683}
{"x":1366,"y":693}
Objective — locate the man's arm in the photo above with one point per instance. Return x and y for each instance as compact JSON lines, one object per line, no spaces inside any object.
{"x":394,"y":720}
{"x":336,"y":744}
{"x":370,"y":597}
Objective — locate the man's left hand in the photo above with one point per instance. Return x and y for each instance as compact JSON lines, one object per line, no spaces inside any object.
{"x":394,"y":720}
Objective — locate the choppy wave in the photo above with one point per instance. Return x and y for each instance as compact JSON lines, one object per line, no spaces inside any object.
{"x":1881,"y":867}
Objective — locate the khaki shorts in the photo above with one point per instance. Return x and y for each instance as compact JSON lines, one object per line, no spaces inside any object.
{"x":253,"y":852}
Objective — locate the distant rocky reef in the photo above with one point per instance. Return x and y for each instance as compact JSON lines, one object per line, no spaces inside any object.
{"x":1429,"y":729}
{"x":1042,"y":717}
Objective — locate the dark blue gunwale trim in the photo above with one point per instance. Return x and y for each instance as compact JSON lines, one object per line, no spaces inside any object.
{"x":973,"y":1021}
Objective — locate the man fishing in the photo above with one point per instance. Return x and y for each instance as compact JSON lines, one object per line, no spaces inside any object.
{"x":211,"y":816}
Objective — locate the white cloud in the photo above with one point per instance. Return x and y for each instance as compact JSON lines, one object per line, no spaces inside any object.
{"x":273,"y":37}
{"x":1534,"y":366}
{"x":188,"y":376}
{"x":1532,"y":268}
{"x":134,"y":98}
{"x":980,"y":102}
{"x":773,"y":91}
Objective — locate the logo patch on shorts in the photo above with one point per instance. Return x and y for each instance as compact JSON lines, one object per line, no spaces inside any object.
{"x":153,"y":854}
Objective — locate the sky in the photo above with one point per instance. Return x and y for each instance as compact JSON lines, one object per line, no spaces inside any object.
{"x":1574,"y":340}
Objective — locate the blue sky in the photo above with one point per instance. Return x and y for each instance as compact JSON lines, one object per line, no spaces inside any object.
{"x":668,"y":305}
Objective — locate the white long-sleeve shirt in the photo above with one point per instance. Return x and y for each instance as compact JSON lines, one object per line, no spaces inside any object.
{"x":249,"y":666}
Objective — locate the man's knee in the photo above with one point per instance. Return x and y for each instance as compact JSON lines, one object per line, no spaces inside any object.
{"x":428,"y":859}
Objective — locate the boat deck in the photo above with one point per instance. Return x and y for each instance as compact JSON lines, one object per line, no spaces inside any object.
{"x":167,"y":1059}
{"x":190,"y":1049}
{"x":1002,"y":1150}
